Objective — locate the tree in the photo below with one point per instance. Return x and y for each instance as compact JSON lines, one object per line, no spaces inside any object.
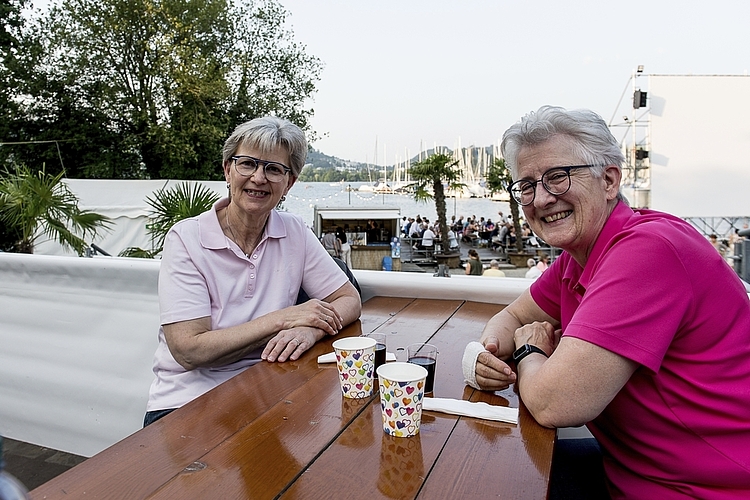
{"x":30,"y":201}
{"x":499,"y":179}
{"x":168,"y":207}
{"x":152,"y":88}
{"x":431,"y":173}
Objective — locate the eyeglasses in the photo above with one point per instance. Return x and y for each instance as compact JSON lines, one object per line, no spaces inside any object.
{"x":247,"y":166}
{"x":555,"y":180}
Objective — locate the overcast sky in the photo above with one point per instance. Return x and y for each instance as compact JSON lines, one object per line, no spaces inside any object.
{"x":440,"y":71}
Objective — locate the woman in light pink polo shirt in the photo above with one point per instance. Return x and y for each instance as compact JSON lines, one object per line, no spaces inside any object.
{"x":229,"y":278}
{"x":640,"y":330}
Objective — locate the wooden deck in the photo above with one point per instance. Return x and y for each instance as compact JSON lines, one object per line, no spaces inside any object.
{"x":285,"y":431}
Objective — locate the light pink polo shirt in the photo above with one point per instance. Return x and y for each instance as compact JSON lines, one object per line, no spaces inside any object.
{"x":656,"y":292}
{"x":203,"y":273}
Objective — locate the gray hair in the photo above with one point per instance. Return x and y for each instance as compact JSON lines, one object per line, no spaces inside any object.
{"x":589,"y":135}
{"x":268,"y":134}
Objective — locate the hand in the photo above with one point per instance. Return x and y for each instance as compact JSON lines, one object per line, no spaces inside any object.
{"x":289,"y":344}
{"x":493,"y":374}
{"x":313,"y":313}
{"x":539,"y":333}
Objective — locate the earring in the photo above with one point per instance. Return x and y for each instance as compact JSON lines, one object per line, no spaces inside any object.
{"x":281,"y":201}
{"x":228,"y":185}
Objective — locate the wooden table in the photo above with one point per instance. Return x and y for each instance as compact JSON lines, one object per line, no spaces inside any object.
{"x":283,"y":430}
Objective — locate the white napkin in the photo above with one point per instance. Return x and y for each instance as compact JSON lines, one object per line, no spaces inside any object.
{"x":469,"y":363}
{"x":331,"y":357}
{"x":470,"y":409}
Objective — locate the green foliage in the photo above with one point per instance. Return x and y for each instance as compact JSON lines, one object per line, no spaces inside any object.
{"x":431,"y":174}
{"x":499,"y":178}
{"x":170,"y":206}
{"x":36,"y":200}
{"x":152,"y":88}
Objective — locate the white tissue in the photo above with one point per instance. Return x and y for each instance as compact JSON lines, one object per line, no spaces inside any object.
{"x":469,"y":409}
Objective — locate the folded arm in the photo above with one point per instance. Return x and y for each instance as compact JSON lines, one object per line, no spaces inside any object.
{"x":289,"y":332}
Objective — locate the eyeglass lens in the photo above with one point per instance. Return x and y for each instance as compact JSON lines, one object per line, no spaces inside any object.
{"x":247,"y":166}
{"x":556,"y":181}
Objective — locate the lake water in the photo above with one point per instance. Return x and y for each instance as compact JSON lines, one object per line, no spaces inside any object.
{"x":306,"y":195}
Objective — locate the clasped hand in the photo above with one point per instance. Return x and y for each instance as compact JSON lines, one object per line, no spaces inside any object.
{"x":494,"y":374}
{"x":304,"y":325}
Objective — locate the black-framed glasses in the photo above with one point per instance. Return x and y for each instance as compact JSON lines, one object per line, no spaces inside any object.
{"x":248,"y":165}
{"x":555,"y":180}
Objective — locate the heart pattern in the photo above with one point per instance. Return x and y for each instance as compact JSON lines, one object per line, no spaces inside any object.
{"x":356,"y":368}
{"x":401,"y":404}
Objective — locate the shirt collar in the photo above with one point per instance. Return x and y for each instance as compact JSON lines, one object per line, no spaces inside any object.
{"x":212,"y":237}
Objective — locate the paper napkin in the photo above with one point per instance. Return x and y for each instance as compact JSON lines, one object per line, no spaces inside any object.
{"x":331,"y":357}
{"x":470,"y":409}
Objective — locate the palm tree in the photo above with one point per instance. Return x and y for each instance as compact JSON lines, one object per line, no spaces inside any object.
{"x":33,"y":201}
{"x":499,"y":179}
{"x":432,"y":172}
{"x":170,"y":206}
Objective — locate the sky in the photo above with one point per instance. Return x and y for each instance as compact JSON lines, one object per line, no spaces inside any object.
{"x":401,"y":74}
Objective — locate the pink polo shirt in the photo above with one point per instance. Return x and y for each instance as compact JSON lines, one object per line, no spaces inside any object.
{"x":656,"y":292}
{"x":203,"y":273}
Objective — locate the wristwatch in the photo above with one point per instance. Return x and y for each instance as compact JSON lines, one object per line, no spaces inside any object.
{"x":525,"y":350}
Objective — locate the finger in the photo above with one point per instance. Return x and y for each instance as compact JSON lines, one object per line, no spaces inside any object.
{"x":328,"y":324}
{"x":491,"y":343}
{"x":291,"y":346}
{"x":493,"y":384}
{"x":491,"y":366}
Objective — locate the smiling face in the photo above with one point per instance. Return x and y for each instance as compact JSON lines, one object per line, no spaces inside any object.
{"x":571,"y":221}
{"x":255,"y":194}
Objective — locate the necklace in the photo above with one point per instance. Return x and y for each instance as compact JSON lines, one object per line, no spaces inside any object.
{"x":236,"y":240}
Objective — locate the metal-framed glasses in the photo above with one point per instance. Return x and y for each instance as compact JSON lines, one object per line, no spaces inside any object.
{"x":248,"y":165}
{"x":555,"y":180}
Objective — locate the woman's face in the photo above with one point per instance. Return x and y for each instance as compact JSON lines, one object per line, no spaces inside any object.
{"x":255,"y":194}
{"x":571,"y":221}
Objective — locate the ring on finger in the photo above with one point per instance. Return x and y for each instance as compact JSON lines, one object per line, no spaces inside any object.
{"x":296,"y":342}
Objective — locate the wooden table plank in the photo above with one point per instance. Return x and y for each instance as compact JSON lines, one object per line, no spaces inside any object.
{"x":464,"y":470}
{"x":152,"y":456}
{"x":378,"y":310}
{"x":390,"y":467}
{"x":260,"y":460}
{"x":417,"y":322}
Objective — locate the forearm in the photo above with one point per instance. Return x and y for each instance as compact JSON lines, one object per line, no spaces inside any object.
{"x":501,"y":327}
{"x":194,"y":345}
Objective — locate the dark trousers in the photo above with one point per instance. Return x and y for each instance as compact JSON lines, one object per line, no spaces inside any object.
{"x":153,"y":416}
{"x":577,"y":471}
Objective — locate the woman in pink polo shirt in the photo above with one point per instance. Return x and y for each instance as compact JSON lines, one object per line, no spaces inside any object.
{"x":639,"y":329}
{"x":230,"y":277}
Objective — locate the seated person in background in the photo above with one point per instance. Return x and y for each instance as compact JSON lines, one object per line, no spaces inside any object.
{"x":230,"y":277}
{"x":543,"y":263}
{"x":428,"y":238}
{"x":652,"y":354}
{"x":474,"y":265}
{"x":533,"y":272}
{"x":494,"y":270}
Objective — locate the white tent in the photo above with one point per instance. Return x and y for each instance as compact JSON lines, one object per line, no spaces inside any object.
{"x":124,"y":201}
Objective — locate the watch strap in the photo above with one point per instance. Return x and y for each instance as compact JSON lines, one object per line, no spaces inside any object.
{"x":525,"y":350}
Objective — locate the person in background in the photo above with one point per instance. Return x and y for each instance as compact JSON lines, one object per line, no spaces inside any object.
{"x":230,"y":277}
{"x":473,"y":265}
{"x":346,"y":248}
{"x":331,"y":243}
{"x":534,"y":272}
{"x":639,"y":329}
{"x":494,"y":270}
{"x":428,"y":238}
{"x":543,"y":263}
